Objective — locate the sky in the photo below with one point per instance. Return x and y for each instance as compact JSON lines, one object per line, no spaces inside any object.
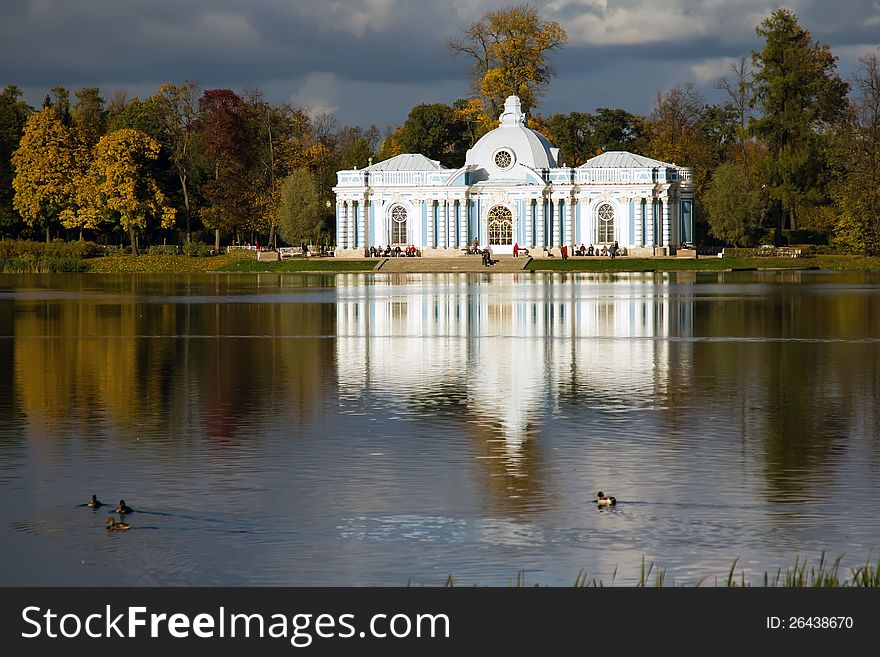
{"x":369,"y":61}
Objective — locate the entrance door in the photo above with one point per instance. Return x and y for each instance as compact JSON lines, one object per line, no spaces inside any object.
{"x":500,"y":230}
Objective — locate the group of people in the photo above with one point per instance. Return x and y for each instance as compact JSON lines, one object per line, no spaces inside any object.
{"x":612,"y":250}
{"x":393,"y":252}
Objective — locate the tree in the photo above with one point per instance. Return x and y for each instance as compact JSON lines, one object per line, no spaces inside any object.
{"x":436,"y":132}
{"x":121,"y":186}
{"x":47,"y":162}
{"x":617,"y":130}
{"x":223,"y":129}
{"x":509,"y":49}
{"x":673,"y":127}
{"x":734,"y":205}
{"x":14,"y":113}
{"x":59,"y":100}
{"x":180,"y":137}
{"x":299,"y":208}
{"x":858,"y":156}
{"x":356,"y":146}
{"x":741,"y":99}
{"x":798,"y":89}
{"x":89,"y":116}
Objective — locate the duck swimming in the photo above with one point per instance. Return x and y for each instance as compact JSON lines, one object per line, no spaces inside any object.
{"x":113,"y":525}
{"x":123,"y":508}
{"x":602,"y":500}
{"x":93,"y":503}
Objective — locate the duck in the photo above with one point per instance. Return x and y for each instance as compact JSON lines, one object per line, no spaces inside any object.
{"x":113,"y":525}
{"x":602,"y":500}
{"x":94,"y":503}
{"x":123,"y":507}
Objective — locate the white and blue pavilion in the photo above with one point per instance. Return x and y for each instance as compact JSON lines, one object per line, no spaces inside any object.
{"x":510,"y":190}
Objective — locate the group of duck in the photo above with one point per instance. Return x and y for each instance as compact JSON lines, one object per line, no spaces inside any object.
{"x":112,"y":523}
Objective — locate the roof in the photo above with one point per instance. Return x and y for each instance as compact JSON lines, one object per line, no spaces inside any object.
{"x":406,"y":162}
{"x":528,"y":147}
{"x":622,"y":160}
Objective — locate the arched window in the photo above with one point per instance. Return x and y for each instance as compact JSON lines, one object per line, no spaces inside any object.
{"x":605,"y":214}
{"x":500,"y":225}
{"x":398,"y":225}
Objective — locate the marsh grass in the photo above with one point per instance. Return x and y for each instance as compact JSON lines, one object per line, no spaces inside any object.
{"x":824,"y":574}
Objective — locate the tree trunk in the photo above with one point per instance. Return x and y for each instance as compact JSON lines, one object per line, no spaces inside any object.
{"x":47,"y":234}
{"x":186,"y":205}
{"x":80,"y":233}
{"x":792,"y":219}
{"x":780,"y":218}
{"x":217,"y":240}
{"x":133,"y":236}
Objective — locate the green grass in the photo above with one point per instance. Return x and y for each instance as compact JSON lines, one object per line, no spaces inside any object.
{"x":704,"y":264}
{"x":318,"y":264}
{"x":234,"y":262}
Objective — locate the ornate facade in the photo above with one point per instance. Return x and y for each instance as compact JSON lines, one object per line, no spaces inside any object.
{"x":511,"y":190}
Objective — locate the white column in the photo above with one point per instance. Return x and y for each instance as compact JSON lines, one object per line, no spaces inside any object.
{"x":462,"y":222}
{"x":429,"y":238}
{"x":358,"y":219}
{"x":640,"y":219}
{"x":557,"y":236}
{"x":365,"y":223}
{"x":539,"y":220}
{"x":529,"y":220}
{"x":571,"y":216}
{"x":666,"y":235}
{"x":649,"y":222}
{"x":441,"y":224}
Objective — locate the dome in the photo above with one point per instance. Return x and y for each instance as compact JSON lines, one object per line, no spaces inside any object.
{"x":512,"y":143}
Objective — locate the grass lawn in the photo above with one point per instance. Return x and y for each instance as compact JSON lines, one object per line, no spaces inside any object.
{"x":318,"y":264}
{"x":179,"y":264}
{"x":704,"y":264}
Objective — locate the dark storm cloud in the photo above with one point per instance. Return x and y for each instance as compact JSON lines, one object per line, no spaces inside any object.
{"x":371,"y":60}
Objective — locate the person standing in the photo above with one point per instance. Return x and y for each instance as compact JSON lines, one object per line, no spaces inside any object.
{"x":516,"y":250}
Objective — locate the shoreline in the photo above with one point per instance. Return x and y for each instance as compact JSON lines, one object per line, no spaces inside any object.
{"x":225,"y":264}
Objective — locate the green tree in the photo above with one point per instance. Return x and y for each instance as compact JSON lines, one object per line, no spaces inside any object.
{"x":14,"y":113}
{"x":734,"y":205}
{"x":800,"y":94}
{"x":120,"y":185}
{"x":47,"y":163}
{"x":508,"y":50}
{"x":436,"y":132}
{"x":89,"y":116}
{"x":59,"y":100}
{"x":299,"y":212}
{"x":857,"y":194}
{"x":179,"y":135}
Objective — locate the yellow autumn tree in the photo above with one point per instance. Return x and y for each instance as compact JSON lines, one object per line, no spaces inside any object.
{"x":48,"y":162}
{"x":508,"y":50}
{"x":121,"y":186}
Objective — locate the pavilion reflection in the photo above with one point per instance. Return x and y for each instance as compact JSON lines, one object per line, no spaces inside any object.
{"x":512,"y":349}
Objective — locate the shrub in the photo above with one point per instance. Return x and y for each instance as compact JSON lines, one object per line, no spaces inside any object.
{"x":198,"y":249}
{"x":164,"y":249}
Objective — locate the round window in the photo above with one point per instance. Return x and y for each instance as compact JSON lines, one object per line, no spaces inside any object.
{"x":504,"y":159}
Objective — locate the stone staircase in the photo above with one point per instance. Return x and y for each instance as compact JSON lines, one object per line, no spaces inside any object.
{"x":466,"y":263}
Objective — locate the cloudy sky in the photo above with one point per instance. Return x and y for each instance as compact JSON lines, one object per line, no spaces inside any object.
{"x":369,"y":61}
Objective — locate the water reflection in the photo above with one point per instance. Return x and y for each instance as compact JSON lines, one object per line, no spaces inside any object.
{"x":508,"y":355}
{"x":371,"y":429}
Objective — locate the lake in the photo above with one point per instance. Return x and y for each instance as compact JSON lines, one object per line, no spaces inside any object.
{"x":366,"y":429}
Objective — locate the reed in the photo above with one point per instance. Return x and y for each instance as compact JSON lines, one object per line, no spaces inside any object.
{"x":800,"y":575}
